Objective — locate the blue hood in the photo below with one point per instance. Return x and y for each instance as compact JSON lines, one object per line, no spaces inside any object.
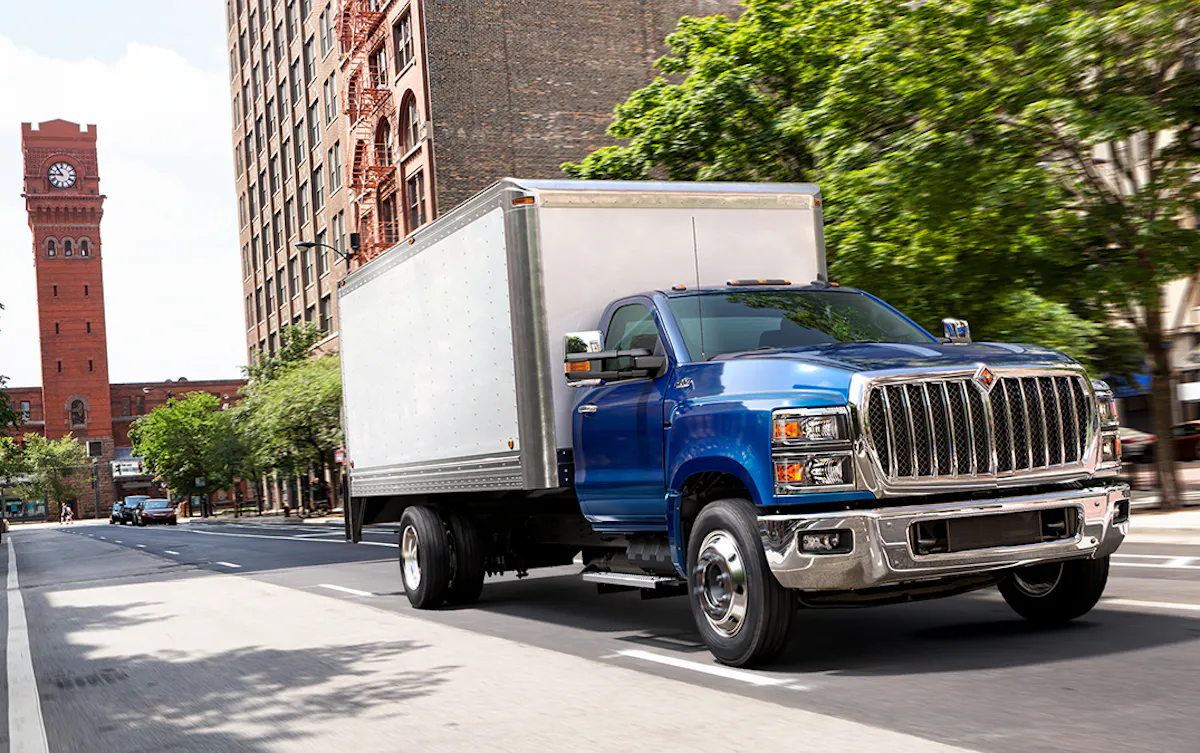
{"x":855,"y":357}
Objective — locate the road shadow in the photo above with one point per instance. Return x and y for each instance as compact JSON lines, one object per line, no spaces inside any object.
{"x":244,"y":699}
{"x":963,"y":633}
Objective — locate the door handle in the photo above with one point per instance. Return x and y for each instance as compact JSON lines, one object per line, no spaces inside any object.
{"x":587,"y":410}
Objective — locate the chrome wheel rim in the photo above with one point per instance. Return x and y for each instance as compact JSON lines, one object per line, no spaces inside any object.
{"x":410,"y":558}
{"x":719,"y":583}
{"x":1039,"y":580}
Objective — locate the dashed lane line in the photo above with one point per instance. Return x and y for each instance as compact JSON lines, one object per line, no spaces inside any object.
{"x":26,"y":728}
{"x":171,"y":552}
{"x":752,"y":678}
{"x":1138,"y":603}
{"x":343,"y":589}
{"x":229,"y":564}
{"x":141,"y":546}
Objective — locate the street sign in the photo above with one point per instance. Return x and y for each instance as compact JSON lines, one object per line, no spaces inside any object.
{"x":339,"y":456}
{"x":127,"y":469}
{"x":201,"y":481}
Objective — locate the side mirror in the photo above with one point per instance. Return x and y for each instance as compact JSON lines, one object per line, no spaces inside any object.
{"x":956,"y":331}
{"x":584,"y":361}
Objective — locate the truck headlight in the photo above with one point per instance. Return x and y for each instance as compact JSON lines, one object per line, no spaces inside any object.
{"x":809,"y":426}
{"x":797,"y":474}
{"x":1106,"y":405}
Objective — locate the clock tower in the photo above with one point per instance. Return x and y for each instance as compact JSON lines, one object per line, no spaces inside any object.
{"x":64,"y":203}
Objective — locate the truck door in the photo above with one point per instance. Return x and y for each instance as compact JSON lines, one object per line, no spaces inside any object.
{"x":618,"y":428}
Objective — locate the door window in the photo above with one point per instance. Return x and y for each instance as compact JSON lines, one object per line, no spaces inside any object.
{"x":632,"y":326}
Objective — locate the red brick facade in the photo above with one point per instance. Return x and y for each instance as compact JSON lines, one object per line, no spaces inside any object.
{"x":64,"y":205}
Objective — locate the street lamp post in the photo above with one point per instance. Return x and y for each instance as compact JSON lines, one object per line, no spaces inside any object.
{"x":313,"y":244}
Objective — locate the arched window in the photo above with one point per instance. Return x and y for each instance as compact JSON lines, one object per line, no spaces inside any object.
{"x":66,"y":248}
{"x":383,"y":142}
{"x":83,"y":247}
{"x":411,"y":123}
{"x":78,"y":413}
{"x":50,"y":248}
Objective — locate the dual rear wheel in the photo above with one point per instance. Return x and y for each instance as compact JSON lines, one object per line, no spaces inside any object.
{"x":441,"y":558}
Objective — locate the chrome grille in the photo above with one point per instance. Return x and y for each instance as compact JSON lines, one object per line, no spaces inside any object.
{"x":952,"y":428}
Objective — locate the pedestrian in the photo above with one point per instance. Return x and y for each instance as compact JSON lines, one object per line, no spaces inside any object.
{"x":68,"y":514}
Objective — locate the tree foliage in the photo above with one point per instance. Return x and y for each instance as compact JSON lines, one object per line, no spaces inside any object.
{"x":56,"y":470}
{"x":296,"y":342}
{"x":953,"y":140}
{"x":293,"y":420}
{"x":188,"y":438}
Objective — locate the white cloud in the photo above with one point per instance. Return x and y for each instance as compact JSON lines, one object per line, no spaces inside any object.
{"x":170,"y":242}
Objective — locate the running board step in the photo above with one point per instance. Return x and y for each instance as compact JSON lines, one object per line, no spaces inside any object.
{"x":651,"y":586}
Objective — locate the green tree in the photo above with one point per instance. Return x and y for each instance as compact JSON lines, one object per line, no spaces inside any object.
{"x":189,"y":438}
{"x":293,"y":420}
{"x":1025,"y":164}
{"x":296,"y":342}
{"x":12,"y":459}
{"x":57,"y":470}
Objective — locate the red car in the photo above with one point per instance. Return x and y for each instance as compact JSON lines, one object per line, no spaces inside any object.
{"x":1137,"y":445}
{"x":156,"y":511}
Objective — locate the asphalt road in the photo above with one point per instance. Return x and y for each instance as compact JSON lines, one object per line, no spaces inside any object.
{"x":278,"y":636}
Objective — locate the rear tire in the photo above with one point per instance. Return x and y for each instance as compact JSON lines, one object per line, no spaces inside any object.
{"x":742,"y":612}
{"x":466,"y":582}
{"x":424,"y":557}
{"x":1056,"y":593}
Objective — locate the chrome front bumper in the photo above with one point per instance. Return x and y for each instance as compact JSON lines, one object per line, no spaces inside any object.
{"x":882,"y":552}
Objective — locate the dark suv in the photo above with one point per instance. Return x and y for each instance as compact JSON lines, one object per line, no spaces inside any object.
{"x":155,"y":511}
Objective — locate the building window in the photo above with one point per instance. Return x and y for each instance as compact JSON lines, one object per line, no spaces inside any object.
{"x":270,"y":117}
{"x":411,"y":123}
{"x":60,"y":367}
{"x":85,"y":291}
{"x":318,"y":188}
{"x":388,"y":232}
{"x":322,"y":252}
{"x":66,"y":248}
{"x":271,"y":343}
{"x":280,"y":288}
{"x":277,"y":231}
{"x":402,"y":33}
{"x":56,"y":296}
{"x":258,"y":135}
{"x":56,"y":328}
{"x":310,"y":314}
{"x":296,"y":84}
{"x":302,"y":198}
{"x":89,"y":328}
{"x":242,"y":47}
{"x":335,"y":167}
{"x":298,"y":137}
{"x":78,"y":413}
{"x":294,"y":276}
{"x":278,"y":39}
{"x":305,"y":8}
{"x":258,"y":301}
{"x":281,"y":94}
{"x":331,"y":103}
{"x":310,"y":62}
{"x":270,"y":296}
{"x":126,"y":405}
{"x":25,"y":412}
{"x":293,"y":21}
{"x":285,"y":151}
{"x":262,"y":190}
{"x":254,"y":81}
{"x":246,"y":260}
{"x":250,"y":200}
{"x":306,"y":268}
{"x":339,"y":238}
{"x":314,"y":124}
{"x":50,"y":249}
{"x":322,"y":257}
{"x":383,"y":143}
{"x":249,"y":312}
{"x":287,"y":219}
{"x":141,"y":405}
{"x":89,"y":364}
{"x":325,"y":323}
{"x":415,"y":194}
{"x":326,"y":26}
{"x":254,"y":249}
{"x":377,"y":67}
{"x":83,"y":247}
{"x":274,"y":172}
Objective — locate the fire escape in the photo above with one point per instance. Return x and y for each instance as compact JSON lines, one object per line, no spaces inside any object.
{"x":366,"y":100}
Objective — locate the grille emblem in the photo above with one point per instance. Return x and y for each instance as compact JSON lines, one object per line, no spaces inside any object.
{"x":985,"y":378}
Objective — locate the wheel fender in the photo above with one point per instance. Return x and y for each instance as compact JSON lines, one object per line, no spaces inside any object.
{"x":675,"y":533}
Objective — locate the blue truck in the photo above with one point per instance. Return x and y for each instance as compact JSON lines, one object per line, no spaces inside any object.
{"x":659,"y":383}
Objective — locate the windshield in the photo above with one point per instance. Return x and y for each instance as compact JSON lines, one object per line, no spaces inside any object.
{"x":157,"y":504}
{"x":769,"y":320}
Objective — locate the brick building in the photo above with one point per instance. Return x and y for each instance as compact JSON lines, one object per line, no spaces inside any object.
{"x":371,"y":117}
{"x":65,"y":206}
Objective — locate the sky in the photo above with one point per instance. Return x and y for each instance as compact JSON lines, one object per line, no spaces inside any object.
{"x":153,"y":76}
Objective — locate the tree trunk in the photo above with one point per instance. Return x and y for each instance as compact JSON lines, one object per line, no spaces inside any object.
{"x":1161,"y":402}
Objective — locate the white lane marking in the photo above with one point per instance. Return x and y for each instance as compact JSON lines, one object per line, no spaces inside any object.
{"x":1152,"y":604}
{"x":141,"y":546}
{"x":169,"y":551}
{"x":729,"y":673}
{"x":26,"y":728}
{"x":369,"y":543}
{"x":1157,"y":565}
{"x":105,"y":538}
{"x":343,"y":589}
{"x":260,"y":536}
{"x":1180,"y":561}
{"x":118,"y":541}
{"x":230,"y":564}
{"x":1123,"y":556}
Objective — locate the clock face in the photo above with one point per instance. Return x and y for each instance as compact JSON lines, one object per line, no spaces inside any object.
{"x":62,"y":175}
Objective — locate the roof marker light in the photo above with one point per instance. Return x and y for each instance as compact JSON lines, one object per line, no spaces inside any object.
{"x":747,"y":283}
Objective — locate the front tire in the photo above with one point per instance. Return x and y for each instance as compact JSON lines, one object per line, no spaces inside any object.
{"x":424,"y":557}
{"x":1056,"y":593}
{"x":742,"y":612}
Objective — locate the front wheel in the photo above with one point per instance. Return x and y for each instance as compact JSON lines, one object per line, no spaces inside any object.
{"x":744,"y":615}
{"x":424,"y":557}
{"x":1058,"y":592}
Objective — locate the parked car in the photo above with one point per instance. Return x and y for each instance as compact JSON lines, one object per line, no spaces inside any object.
{"x":130,"y":508}
{"x":156,"y":511}
{"x":1136,"y":446}
{"x":116,"y":512}
{"x":1187,"y":440}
